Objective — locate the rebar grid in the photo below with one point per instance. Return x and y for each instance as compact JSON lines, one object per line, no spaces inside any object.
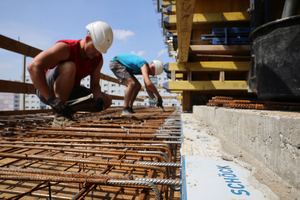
{"x":105,"y":155}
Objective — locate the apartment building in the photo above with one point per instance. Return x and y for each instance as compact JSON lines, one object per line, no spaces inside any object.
{"x":10,"y":101}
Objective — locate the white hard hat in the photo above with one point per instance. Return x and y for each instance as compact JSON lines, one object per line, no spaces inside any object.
{"x":102,"y":35}
{"x":158,"y":66}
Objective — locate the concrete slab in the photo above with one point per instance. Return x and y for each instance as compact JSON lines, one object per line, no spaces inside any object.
{"x":267,"y":140}
{"x":209,"y":173}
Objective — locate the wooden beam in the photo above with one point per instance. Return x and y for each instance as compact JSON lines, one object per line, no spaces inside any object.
{"x":186,"y":101}
{"x":184,"y":17}
{"x":16,"y":87}
{"x":171,"y":9}
{"x":221,"y":49}
{"x":209,"y":66}
{"x":23,"y":112}
{"x":115,"y":97}
{"x":18,"y":47}
{"x":157,"y":87}
{"x":163,"y":97}
{"x":206,"y":85}
{"x":207,"y":18}
{"x":165,"y":3}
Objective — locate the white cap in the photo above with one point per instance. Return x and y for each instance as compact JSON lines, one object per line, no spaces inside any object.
{"x":158,"y":66}
{"x":101,"y":34}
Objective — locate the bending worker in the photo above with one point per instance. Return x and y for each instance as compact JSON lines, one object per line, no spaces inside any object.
{"x":65,"y":64}
{"x":124,"y":66}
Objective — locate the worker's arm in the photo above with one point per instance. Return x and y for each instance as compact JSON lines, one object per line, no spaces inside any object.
{"x":148,"y":83}
{"x":95,"y":81}
{"x":45,"y":60}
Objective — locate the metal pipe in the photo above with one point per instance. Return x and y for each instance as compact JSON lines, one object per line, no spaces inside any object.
{"x":290,"y":8}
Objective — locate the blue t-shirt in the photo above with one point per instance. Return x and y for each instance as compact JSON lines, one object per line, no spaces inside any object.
{"x":131,"y":61}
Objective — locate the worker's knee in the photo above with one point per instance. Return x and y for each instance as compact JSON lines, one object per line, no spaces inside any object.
{"x":135,"y":84}
{"x":67,"y":68}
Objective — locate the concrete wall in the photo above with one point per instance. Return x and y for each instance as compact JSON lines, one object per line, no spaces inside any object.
{"x":272,"y":137}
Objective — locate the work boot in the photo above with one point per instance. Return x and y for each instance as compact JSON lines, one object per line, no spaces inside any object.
{"x":62,"y":121}
{"x":126,"y":111}
{"x":131,"y":110}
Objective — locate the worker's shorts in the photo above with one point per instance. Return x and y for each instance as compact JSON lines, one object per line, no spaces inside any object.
{"x":120,"y":71}
{"x":76,"y":93}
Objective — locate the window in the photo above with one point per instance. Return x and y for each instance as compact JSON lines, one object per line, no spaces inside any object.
{"x":113,"y":91}
{"x":105,"y":85}
{"x":159,"y":79}
{"x":32,"y":101}
{"x":113,"y":85}
{"x":105,"y":91}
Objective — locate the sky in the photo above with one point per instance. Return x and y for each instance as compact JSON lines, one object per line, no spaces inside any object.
{"x":40,"y":24}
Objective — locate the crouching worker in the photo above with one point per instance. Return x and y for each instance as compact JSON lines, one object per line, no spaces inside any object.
{"x":56,"y":73}
{"x":124,"y":66}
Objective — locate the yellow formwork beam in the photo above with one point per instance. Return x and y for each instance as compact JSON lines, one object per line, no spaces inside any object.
{"x":179,"y":97}
{"x":212,"y":17}
{"x":209,"y":66}
{"x":206,"y":85}
{"x":165,"y":3}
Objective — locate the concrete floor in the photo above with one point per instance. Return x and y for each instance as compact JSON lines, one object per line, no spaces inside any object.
{"x":217,"y":168}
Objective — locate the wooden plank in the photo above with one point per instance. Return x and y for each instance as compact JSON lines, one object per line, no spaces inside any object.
{"x":22,"y":112}
{"x":186,"y":101}
{"x":115,"y":97}
{"x":173,"y":75}
{"x":206,"y":85}
{"x":207,"y":18}
{"x":184,"y":16}
{"x":16,"y":87}
{"x":157,"y":87}
{"x":209,"y":66}
{"x":163,"y":97}
{"x":18,"y":47}
{"x":216,"y":6}
{"x":221,"y":49}
{"x":110,"y":79}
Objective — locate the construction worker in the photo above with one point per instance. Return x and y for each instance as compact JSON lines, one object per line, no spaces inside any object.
{"x":124,"y":66}
{"x":65,"y":64}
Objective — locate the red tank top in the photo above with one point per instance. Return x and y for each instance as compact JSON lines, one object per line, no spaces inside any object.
{"x":83,"y":67}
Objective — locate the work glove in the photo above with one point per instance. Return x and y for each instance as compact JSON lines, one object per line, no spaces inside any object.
{"x":99,"y":105}
{"x":159,"y":102}
{"x":59,"y":106}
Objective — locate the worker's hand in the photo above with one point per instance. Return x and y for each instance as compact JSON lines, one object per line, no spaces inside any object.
{"x":59,"y":106}
{"x":159,"y":102}
{"x":99,"y":105}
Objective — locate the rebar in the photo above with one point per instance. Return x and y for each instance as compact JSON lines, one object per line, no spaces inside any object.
{"x":137,"y":183}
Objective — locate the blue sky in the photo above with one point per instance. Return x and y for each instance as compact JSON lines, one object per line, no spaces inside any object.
{"x":41,"y":23}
